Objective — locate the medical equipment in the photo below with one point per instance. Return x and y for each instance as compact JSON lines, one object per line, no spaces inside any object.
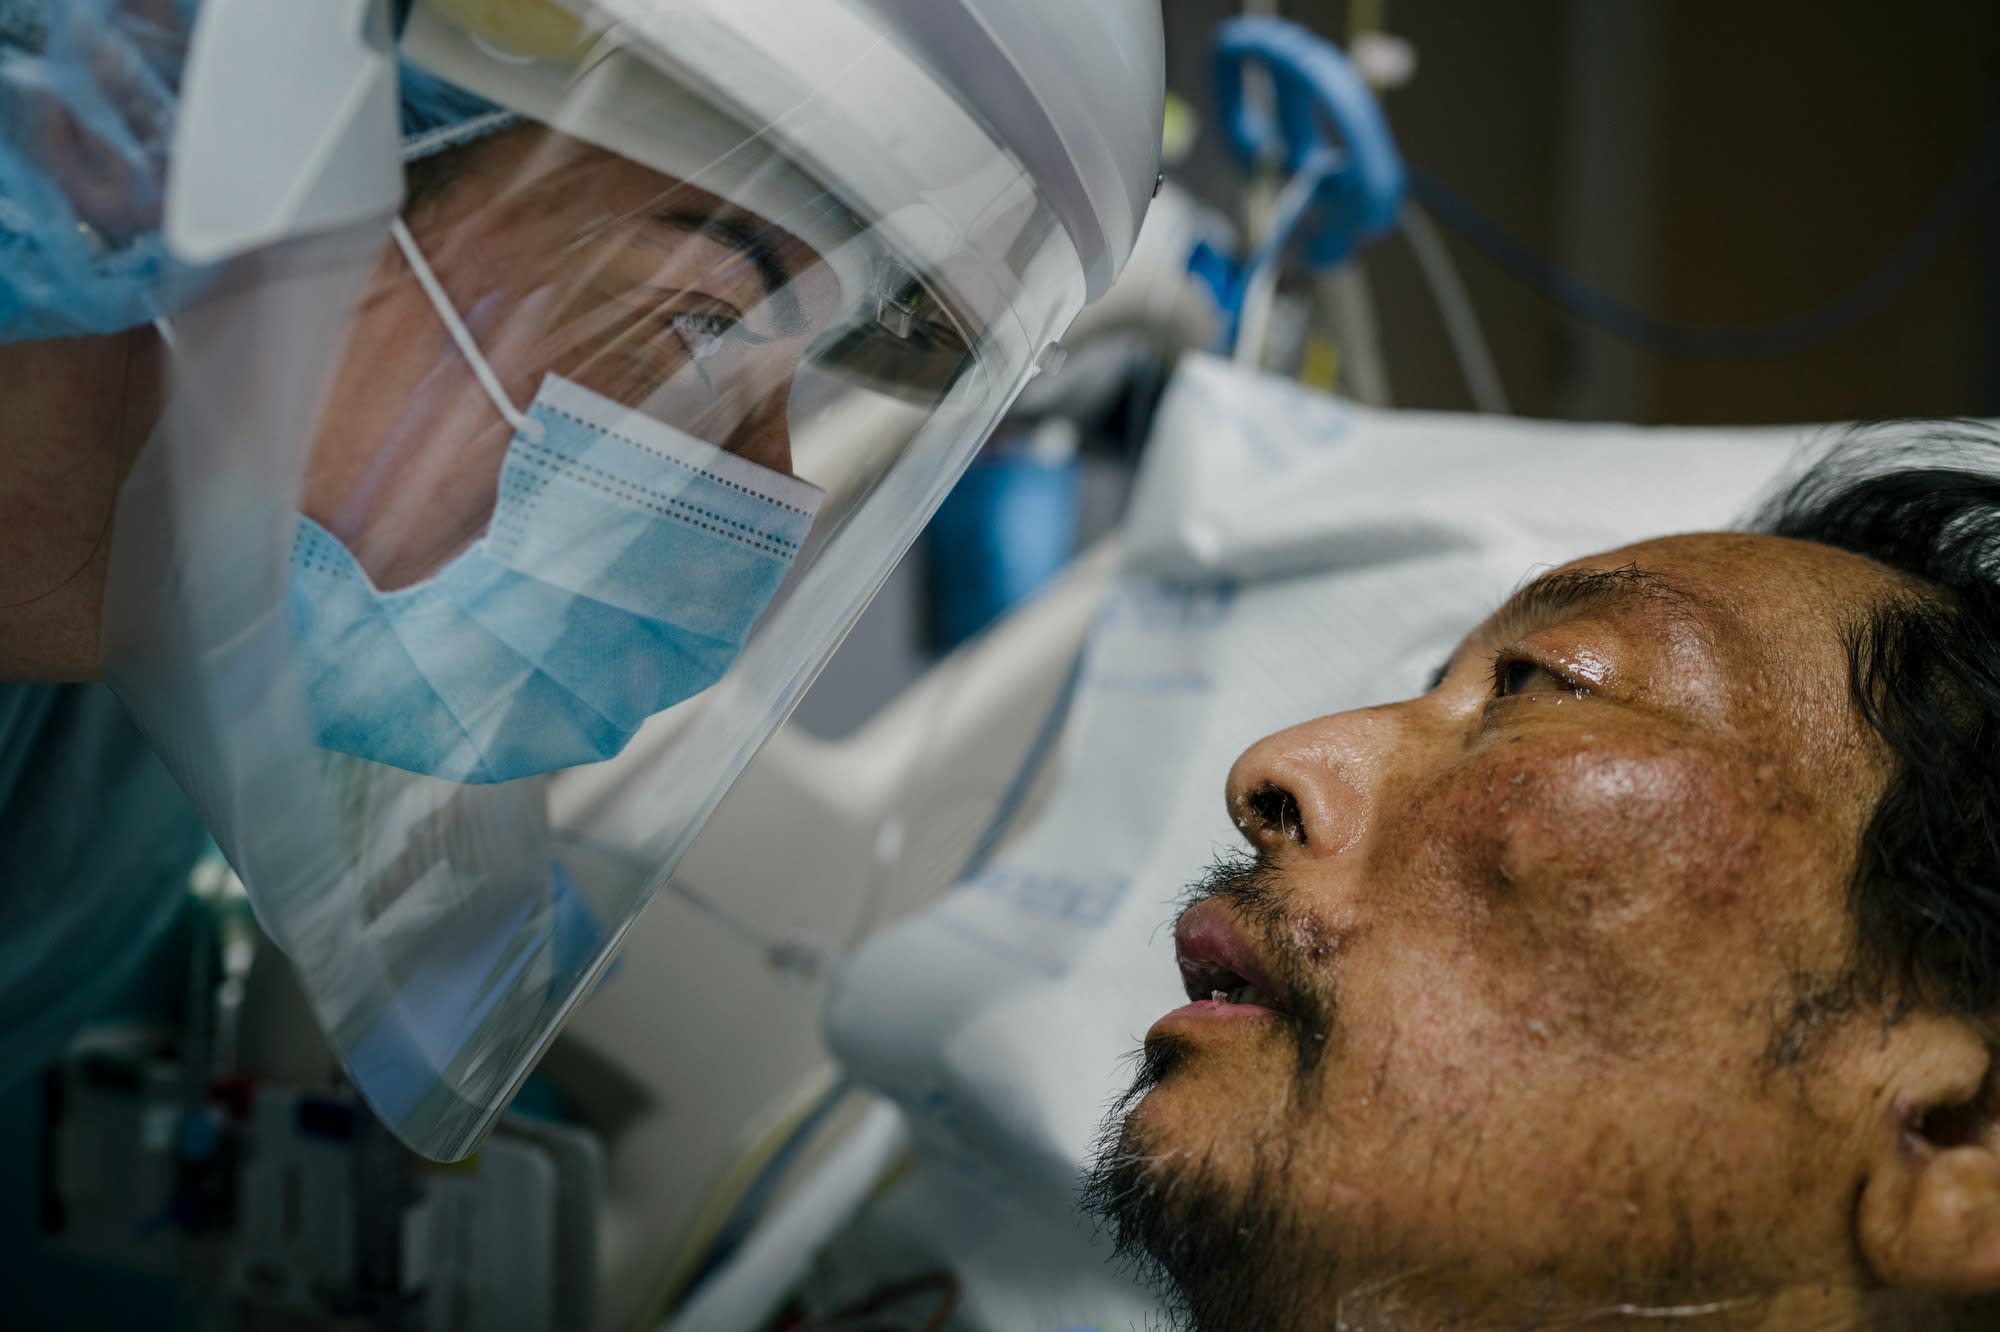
{"x":1303,"y":70}
{"x":290,"y":1210}
{"x":827,"y":243}
{"x":1314,"y":84}
{"x":171,"y":1152}
{"x":1008,"y":526}
{"x":1356,"y":187}
{"x":1344,"y":186}
{"x":1340,"y":191}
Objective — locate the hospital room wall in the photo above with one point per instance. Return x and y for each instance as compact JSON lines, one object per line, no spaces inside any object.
{"x":1802,"y":148}
{"x":1704,"y":159}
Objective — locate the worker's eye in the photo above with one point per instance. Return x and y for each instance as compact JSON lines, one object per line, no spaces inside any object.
{"x":1514,"y":675}
{"x":703,"y":334}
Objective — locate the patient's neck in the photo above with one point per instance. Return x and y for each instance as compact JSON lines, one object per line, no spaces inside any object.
{"x":1808,"y":1307}
{"x":78,"y":412}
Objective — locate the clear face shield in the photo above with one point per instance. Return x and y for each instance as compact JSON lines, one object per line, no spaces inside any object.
{"x":471,"y":563}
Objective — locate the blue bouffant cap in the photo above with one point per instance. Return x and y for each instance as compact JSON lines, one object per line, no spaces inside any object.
{"x":76,"y":259}
{"x":439,"y":115}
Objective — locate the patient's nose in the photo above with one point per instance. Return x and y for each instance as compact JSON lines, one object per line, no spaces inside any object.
{"x":1305,"y":790}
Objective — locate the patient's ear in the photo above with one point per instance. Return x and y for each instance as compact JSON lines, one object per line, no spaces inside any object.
{"x":1928,"y":1219}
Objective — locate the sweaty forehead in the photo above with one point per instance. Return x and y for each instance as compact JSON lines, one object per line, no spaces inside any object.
{"x":1773,"y":616}
{"x":1755,"y":594}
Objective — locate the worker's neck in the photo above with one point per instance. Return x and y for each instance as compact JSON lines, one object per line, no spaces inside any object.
{"x":78,"y":411}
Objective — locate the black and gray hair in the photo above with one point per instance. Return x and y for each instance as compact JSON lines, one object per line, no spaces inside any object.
{"x":1924,"y":669}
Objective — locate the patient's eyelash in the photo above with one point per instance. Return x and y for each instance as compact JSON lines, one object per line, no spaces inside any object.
{"x":1505,"y":664}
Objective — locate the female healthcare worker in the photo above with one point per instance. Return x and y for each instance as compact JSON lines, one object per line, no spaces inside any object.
{"x":373,"y":515}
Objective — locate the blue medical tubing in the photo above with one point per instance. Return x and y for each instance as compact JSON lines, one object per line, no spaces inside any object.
{"x":1948,"y":210}
{"x":1284,"y":222}
{"x":1314,"y":89}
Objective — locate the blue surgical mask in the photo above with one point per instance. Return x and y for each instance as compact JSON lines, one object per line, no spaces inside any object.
{"x":623,"y":568}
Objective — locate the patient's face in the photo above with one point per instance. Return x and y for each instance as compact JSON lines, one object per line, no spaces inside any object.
{"x":1555,"y":952}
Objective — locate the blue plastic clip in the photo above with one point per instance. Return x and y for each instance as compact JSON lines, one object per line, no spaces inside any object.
{"x":1315,"y":90}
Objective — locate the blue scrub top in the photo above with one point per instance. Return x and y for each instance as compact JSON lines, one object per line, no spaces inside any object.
{"x":96,"y":842}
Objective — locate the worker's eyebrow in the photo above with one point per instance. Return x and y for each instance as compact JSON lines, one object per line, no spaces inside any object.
{"x":1569,"y":594}
{"x":748,"y":239}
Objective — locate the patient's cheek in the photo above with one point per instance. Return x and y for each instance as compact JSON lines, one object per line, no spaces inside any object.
{"x":1575,"y":873}
{"x":1598,"y":833}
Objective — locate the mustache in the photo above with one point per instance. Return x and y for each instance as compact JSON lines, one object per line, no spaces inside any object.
{"x":1250,"y":882}
{"x":1293,"y":943}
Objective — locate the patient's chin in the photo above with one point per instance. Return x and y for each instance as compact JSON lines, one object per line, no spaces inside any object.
{"x":1220,"y":1245}
{"x":1159,"y":1059}
{"x":1185,"y":1102}
{"x":1176,"y":1097}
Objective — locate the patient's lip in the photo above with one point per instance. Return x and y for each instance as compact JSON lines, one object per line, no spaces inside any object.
{"x":1216,"y":953}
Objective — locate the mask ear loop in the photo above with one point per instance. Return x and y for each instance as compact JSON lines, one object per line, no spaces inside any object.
{"x":461,"y":336}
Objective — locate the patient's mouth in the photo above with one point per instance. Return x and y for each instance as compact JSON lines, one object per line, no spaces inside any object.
{"x":1242,"y":999}
{"x":1220,"y":968}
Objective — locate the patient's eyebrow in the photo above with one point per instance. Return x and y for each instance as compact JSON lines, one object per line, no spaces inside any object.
{"x":1569,"y":594}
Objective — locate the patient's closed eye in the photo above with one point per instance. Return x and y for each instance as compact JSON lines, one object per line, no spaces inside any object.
{"x":1515,"y":675}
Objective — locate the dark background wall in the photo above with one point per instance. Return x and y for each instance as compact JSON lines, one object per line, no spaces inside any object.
{"x":1707,"y":160}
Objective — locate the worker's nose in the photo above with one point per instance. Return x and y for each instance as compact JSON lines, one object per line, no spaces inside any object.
{"x":1310,"y":790}
{"x":765,"y":437}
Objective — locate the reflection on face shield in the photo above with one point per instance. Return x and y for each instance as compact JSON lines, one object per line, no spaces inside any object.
{"x":623,"y":558}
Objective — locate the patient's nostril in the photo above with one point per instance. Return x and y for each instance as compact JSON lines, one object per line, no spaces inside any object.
{"x":1274,"y":810}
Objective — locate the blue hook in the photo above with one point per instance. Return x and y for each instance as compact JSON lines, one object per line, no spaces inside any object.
{"x":1315,"y":89}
